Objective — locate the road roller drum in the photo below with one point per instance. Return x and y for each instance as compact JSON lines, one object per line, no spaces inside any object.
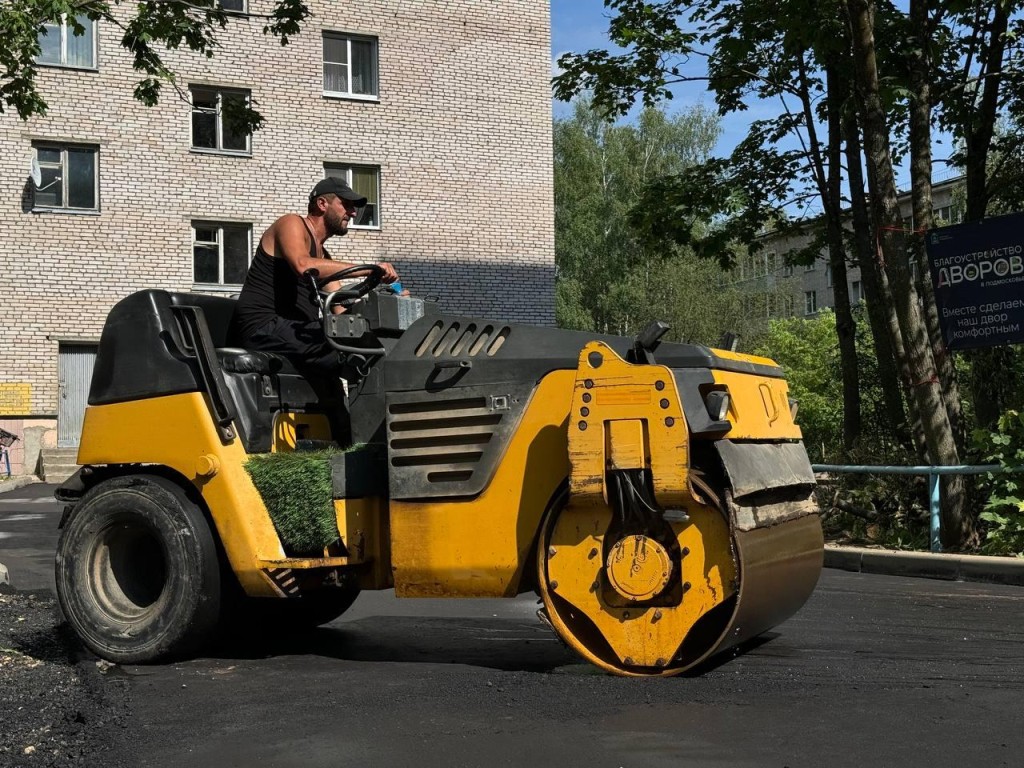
{"x":645,"y":568}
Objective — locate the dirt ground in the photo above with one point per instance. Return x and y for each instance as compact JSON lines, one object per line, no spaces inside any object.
{"x":59,"y":706}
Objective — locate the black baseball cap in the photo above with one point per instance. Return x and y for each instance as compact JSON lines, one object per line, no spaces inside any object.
{"x":335,"y":186}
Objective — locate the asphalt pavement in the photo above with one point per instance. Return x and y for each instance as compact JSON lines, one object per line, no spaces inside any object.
{"x":28,"y":533}
{"x":875,"y":670}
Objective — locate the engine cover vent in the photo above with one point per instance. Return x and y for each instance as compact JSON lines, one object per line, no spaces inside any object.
{"x":448,"y":444}
{"x":447,"y":339}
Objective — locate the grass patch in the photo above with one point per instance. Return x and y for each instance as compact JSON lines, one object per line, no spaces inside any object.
{"x":297,"y":490}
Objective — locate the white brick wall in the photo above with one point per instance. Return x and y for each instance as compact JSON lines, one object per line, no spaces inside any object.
{"x":461,"y":132}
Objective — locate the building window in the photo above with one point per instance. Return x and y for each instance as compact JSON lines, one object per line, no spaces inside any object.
{"x":769,"y":262}
{"x":779,"y":305}
{"x":856,"y":292}
{"x":68,"y":177}
{"x":350,"y":66}
{"x":61,"y":45}
{"x":787,"y":271}
{"x":809,"y":267}
{"x":364,"y":179}
{"x":233,"y":6}
{"x":947,"y":214}
{"x":810,"y":302}
{"x":215,"y":127}
{"x":828,"y":275}
{"x":220,"y":252}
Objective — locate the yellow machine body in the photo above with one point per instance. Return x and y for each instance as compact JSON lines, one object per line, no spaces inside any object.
{"x":479,"y":547}
{"x":653,"y":542}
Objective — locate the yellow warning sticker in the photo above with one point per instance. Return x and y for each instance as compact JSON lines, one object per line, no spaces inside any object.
{"x":15,"y":398}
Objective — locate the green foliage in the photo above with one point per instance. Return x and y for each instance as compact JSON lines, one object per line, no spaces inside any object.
{"x":808,"y":352}
{"x":1003,"y":512}
{"x":609,"y":279}
{"x":776,"y":53}
{"x":299,"y":494}
{"x":147,"y":26}
{"x":655,"y":46}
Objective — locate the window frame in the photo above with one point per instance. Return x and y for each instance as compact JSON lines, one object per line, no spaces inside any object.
{"x":856,"y":291}
{"x":810,"y":303}
{"x":347,"y":178}
{"x":63,"y":64}
{"x":349,"y":37}
{"x":219,"y":225}
{"x":953,"y":211}
{"x":63,"y":148}
{"x":244,"y":11}
{"x":219,"y":149}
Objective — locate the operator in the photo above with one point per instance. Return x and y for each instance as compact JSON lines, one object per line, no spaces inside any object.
{"x":277,"y":310}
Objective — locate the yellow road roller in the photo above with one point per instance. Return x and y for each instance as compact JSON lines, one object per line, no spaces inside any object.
{"x":656,"y":496}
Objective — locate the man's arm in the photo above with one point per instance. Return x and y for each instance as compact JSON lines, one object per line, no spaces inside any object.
{"x":291,"y":242}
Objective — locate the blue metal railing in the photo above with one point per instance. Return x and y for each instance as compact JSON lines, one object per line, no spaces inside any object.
{"x":934,"y":490}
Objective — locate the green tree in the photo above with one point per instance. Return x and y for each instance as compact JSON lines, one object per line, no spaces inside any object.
{"x":147,"y":27}
{"x":610,"y":279}
{"x":793,"y":54}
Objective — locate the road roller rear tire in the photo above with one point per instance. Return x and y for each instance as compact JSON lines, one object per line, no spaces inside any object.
{"x":137,"y":571}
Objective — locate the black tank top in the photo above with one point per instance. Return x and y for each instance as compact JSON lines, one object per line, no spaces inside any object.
{"x":272,"y":289}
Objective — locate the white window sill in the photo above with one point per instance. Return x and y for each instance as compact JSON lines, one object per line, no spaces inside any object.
{"x":220,"y":152}
{"x":364,"y":228}
{"x":69,"y":67}
{"x":72,"y":211}
{"x":339,"y":96}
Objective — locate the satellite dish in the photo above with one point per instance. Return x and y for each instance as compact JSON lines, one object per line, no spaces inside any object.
{"x":35,"y":173}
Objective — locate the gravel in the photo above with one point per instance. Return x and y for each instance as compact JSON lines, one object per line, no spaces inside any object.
{"x":59,"y":706}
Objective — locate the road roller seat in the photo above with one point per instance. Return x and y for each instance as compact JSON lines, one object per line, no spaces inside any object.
{"x":158,"y":343}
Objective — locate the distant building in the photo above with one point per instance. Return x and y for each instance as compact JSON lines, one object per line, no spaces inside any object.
{"x":439,"y":111}
{"x":776,"y":289}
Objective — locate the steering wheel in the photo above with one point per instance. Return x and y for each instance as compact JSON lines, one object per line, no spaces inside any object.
{"x":375,"y":273}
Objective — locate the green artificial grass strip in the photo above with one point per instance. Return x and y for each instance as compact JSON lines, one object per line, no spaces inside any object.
{"x":297,"y":490}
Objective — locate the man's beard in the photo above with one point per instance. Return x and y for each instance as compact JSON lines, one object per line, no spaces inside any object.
{"x":336,"y":223}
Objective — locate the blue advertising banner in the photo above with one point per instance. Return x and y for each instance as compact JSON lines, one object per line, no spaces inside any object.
{"x":978,"y":273}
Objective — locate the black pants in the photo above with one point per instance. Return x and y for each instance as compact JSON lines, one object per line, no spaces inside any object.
{"x":302,"y":342}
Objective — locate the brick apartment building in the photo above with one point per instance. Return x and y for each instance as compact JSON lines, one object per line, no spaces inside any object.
{"x":439,"y":111}
{"x":774,"y":289}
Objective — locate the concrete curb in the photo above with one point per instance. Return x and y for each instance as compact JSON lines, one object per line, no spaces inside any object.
{"x":14,"y":483}
{"x":991,"y":570}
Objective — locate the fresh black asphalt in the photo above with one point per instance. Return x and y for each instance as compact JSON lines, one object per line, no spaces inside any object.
{"x":874,"y":671}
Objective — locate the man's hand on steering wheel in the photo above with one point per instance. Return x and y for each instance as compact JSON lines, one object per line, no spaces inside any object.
{"x":375,"y":275}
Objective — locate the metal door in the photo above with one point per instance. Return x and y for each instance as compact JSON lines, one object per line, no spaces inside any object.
{"x":74,"y":374}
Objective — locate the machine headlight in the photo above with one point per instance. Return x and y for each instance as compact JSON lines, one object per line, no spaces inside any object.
{"x":717,"y":403}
